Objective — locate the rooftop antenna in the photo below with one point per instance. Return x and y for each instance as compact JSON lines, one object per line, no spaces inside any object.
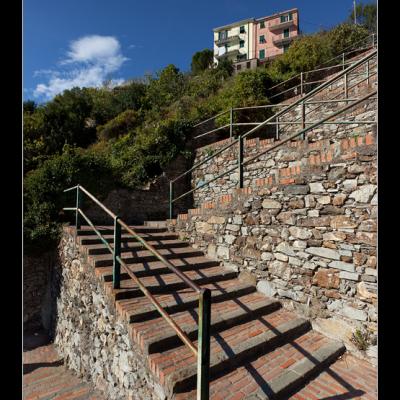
{"x":355,"y":13}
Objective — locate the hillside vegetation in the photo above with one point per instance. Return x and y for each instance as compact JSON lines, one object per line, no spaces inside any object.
{"x":125,"y":136}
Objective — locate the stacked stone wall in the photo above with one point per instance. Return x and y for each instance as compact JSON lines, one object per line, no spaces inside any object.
{"x":94,"y":343}
{"x":304,"y":226}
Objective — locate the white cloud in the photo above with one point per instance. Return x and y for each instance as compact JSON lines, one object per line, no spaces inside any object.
{"x":88,"y":63}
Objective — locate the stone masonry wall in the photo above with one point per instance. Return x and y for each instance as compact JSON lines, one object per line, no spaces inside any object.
{"x":304,"y":225}
{"x":36,"y":295}
{"x":92,"y":341}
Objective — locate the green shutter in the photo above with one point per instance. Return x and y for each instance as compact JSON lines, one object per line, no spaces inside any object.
{"x":262,"y":54}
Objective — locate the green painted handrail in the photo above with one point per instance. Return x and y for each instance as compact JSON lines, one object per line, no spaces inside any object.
{"x":202,"y":351}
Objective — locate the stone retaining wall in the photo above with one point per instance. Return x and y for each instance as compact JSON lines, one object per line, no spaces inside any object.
{"x":92,"y":341}
{"x":304,"y":225}
{"x":36,"y":294}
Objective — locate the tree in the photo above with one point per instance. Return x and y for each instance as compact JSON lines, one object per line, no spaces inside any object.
{"x":29,"y":106}
{"x":65,"y":120}
{"x":365,"y":15}
{"x":202,"y":60}
{"x":225,"y":67}
{"x":346,"y":36}
{"x":166,"y":88}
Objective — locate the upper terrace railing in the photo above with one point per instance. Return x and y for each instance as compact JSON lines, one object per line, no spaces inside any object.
{"x":202,"y":351}
{"x":273,"y":120}
{"x":299,"y":84}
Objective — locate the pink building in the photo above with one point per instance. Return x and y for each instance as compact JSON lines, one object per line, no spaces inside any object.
{"x":274,"y":34}
{"x":249,"y":43}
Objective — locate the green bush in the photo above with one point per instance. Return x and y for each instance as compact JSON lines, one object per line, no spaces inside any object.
{"x":122,"y":124}
{"x":44,"y":197}
{"x":201,"y":60}
{"x":139,"y":158}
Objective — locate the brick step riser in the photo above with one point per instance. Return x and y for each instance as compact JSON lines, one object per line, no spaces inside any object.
{"x":172,"y":286}
{"x":87,"y":242}
{"x":248,"y":355}
{"x":174,"y":341}
{"x":145,"y":259}
{"x":191,"y":304}
{"x":162,"y":271}
{"x":294,"y":386}
{"x":104,"y":250}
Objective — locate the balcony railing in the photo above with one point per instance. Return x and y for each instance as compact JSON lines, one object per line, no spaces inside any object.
{"x":282,"y":40}
{"x":281,"y":25}
{"x":230,"y":39}
{"x":231,"y":53}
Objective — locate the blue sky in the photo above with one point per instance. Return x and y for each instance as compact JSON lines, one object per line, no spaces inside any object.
{"x":84,"y":42}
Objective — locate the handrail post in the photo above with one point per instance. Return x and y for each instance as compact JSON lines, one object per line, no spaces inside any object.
{"x":343,"y":61}
{"x":230,"y":122}
{"x":301,"y":84}
{"x":203,"y":345}
{"x":240,"y":161}
{"x":78,"y":206}
{"x":117,"y":253}
{"x":367,"y":66}
{"x":346,"y":90}
{"x":277,"y":129}
{"x":373,"y":40}
{"x":171,"y":195}
{"x":303,"y":118}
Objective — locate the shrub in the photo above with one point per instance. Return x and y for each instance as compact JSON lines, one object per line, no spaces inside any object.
{"x":122,"y":124}
{"x":44,"y":197}
{"x":139,"y":158}
{"x":202,"y":60}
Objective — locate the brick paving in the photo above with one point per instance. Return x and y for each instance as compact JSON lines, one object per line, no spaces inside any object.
{"x":45,"y":376}
{"x":347,"y":378}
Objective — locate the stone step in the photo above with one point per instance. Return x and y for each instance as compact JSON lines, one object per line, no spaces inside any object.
{"x":169,"y":282}
{"x":141,"y":309}
{"x":177,"y":368}
{"x":143,"y":256}
{"x":125,"y":238}
{"x":158,"y":268}
{"x":223,"y":316}
{"x":276,"y":374}
{"x":109,"y":229}
{"x":156,"y":224}
{"x":93,"y":249}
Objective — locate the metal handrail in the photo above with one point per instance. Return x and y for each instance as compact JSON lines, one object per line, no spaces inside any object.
{"x":300,"y":85}
{"x":343,"y":53}
{"x":202,"y":351}
{"x":331,"y":100}
{"x":251,"y":131}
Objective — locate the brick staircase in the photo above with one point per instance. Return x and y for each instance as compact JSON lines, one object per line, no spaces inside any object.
{"x":258,"y":349}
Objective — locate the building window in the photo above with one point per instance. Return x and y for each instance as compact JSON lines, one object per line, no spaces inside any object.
{"x":262,"y":24}
{"x":222,"y":35}
{"x":242,"y":29}
{"x":261,"y":54}
{"x":238,"y":67}
{"x":248,"y":64}
{"x":286,"y":33}
{"x":288,"y":17}
{"x":241,"y":43}
{"x":262,"y":39}
{"x":285,"y":48}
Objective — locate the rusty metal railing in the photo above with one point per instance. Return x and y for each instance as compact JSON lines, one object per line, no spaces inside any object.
{"x":202,"y":351}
